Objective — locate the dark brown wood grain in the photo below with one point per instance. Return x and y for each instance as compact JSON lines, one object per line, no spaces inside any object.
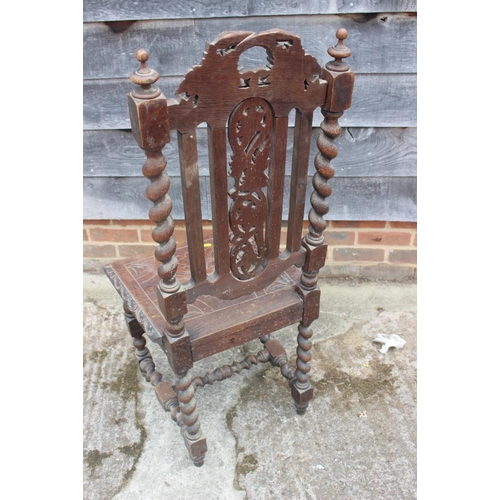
{"x":217,"y":160}
{"x":214,"y":333}
{"x":211,"y":89}
{"x":276,"y":187}
{"x":207,"y":315}
{"x":298,"y":180}
{"x":188,"y":158}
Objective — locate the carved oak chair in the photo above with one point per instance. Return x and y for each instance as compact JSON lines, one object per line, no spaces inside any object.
{"x":206,"y":298}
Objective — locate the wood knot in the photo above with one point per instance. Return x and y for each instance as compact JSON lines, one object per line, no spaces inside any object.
{"x":339,"y":52}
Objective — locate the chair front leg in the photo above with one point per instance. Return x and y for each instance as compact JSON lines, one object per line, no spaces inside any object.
{"x":191,"y":430}
{"x":302,"y":389}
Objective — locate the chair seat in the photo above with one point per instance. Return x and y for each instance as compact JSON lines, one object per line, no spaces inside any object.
{"x":213,"y":324}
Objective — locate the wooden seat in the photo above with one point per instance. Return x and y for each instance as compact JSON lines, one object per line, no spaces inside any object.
{"x":244,"y":283}
{"x":212,"y":323}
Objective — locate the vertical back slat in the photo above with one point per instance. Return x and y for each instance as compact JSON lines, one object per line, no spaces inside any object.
{"x":188,"y":156}
{"x":298,"y":181}
{"x":217,"y":157}
{"x":276,"y":186}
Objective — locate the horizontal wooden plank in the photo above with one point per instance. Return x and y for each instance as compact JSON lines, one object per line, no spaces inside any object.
{"x":110,"y":10}
{"x":379,"y":100}
{"x":363,"y":152}
{"x":353,"y":198}
{"x":107,"y":54}
{"x":124,"y":198}
{"x":381,"y":43}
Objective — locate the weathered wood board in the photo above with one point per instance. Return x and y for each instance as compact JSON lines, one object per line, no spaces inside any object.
{"x":109,"y":10}
{"x":384,"y":43}
{"x":363,"y":152}
{"x":353,"y":198}
{"x":379,"y":100}
{"x":376,"y":167}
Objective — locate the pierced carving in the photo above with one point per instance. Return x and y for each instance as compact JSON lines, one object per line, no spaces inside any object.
{"x":284,"y":44}
{"x":263,"y":80}
{"x":250,"y":128}
{"x":226,"y":50}
{"x":219,"y":83}
{"x":254,"y":59}
{"x":244,"y":83}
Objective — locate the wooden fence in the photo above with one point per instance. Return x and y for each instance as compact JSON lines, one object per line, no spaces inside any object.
{"x":376,"y":166}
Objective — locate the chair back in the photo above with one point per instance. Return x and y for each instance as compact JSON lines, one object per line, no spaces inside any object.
{"x":247,"y":113}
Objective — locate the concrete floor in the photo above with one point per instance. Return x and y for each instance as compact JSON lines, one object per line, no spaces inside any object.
{"x":357,"y":440}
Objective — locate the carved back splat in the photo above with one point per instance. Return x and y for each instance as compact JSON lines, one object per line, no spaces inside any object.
{"x":248,"y":111}
{"x":250,"y":136}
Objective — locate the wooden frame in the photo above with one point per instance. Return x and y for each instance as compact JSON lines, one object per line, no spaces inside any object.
{"x":253,"y":286}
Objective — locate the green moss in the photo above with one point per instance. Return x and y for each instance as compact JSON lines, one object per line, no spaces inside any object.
{"x":94,"y":357}
{"x":98,"y":356}
{"x":125,"y":383}
{"x":230,"y":418}
{"x":134,"y":450}
{"x":248,"y":464}
{"x":380,"y":380}
{"x":94,"y":458}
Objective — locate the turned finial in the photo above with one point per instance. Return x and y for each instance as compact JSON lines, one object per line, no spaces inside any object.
{"x":145,"y":77}
{"x":339,"y":52}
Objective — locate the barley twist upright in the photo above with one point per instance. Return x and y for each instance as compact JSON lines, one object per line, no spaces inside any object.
{"x":338,"y":98}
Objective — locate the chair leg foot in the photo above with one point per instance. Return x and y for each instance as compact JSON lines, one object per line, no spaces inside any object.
{"x":301,"y":411}
{"x":302,"y":396}
{"x":196,"y":448}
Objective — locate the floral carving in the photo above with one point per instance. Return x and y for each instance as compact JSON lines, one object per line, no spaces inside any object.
{"x":250,"y":128}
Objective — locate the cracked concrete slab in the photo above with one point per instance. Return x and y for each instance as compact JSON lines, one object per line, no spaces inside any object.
{"x":356,"y":440}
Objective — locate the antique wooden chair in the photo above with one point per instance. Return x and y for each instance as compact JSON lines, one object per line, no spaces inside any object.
{"x":254,"y":289}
